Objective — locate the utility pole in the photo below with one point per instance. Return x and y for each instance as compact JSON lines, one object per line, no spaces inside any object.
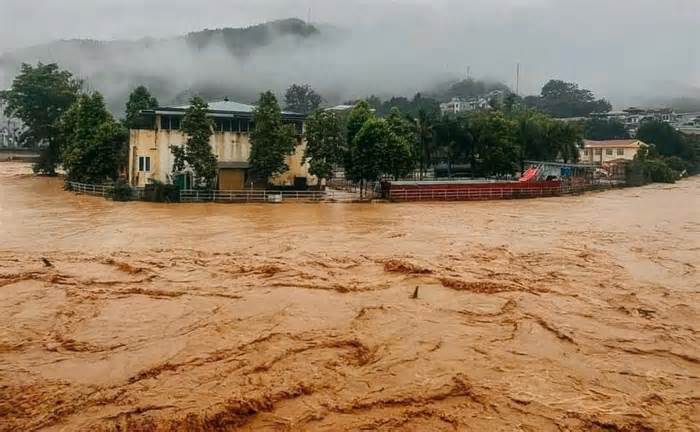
{"x":517,"y":79}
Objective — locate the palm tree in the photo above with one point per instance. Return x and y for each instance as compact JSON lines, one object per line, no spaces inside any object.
{"x":426,"y":140}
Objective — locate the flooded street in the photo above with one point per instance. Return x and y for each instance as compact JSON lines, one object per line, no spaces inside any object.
{"x":570,"y":313}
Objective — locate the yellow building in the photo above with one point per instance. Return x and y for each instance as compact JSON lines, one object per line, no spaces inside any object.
{"x":612,"y":150}
{"x":150,"y":156}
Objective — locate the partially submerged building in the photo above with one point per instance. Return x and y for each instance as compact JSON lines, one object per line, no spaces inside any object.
{"x":151,"y":158}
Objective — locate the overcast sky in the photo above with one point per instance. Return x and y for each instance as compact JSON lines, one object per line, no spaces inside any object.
{"x":616,"y":47}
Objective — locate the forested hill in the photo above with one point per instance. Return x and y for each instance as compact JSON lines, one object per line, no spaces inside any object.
{"x":241,"y":41}
{"x":202,"y":61}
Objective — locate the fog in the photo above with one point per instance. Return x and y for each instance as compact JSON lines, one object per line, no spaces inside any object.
{"x":630,"y":51}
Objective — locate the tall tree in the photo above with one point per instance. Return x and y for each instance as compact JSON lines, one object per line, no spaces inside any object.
{"x":425,"y":140}
{"x":366,"y":152}
{"x":397,"y":149}
{"x":325,"y":143}
{"x":563,"y":99}
{"x":496,"y":141}
{"x":667,"y":140}
{"x":353,"y":165}
{"x":271,"y":139}
{"x":565,"y":140}
{"x":140,"y":99}
{"x":301,"y":98}
{"x":93,"y":141}
{"x":197,"y":153}
{"x":39,"y":96}
{"x":357,"y":118}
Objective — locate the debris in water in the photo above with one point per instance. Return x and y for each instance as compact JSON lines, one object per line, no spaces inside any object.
{"x":47,"y":263}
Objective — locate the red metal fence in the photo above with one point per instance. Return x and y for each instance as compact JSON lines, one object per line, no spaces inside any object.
{"x":483,"y":191}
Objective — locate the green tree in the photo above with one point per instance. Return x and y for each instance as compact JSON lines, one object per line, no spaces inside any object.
{"x":302,"y":99}
{"x":366,"y":151}
{"x":357,"y":118}
{"x":197,"y":153}
{"x":565,"y":140}
{"x":93,"y":141}
{"x":397,"y":150}
{"x":455,"y":142}
{"x":496,"y":141}
{"x":353,"y":163}
{"x":139,"y":100}
{"x":425,"y":141}
{"x":325,"y":143}
{"x":271,"y":139}
{"x":604,"y":129}
{"x":530,"y":135}
{"x":39,"y":96}
{"x":563,"y":99}
{"x":667,"y":140}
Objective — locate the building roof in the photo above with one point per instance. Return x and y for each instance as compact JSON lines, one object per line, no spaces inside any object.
{"x":225,"y":105}
{"x":628,"y":143}
{"x":224,"y":108}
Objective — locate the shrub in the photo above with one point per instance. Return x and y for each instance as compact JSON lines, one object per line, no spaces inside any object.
{"x":121,"y":191}
{"x":157,"y":191}
{"x":640,"y":172}
{"x":657,"y":171}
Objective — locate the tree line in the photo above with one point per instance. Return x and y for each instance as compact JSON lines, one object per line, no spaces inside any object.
{"x":490,"y":143}
{"x":370,"y":142}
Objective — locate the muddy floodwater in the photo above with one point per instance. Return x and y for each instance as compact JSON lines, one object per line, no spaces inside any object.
{"x":559,"y":314}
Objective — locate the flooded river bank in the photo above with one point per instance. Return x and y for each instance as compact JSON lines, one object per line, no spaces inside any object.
{"x":570,"y":313}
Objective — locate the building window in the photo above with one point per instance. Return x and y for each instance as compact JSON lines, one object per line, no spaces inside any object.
{"x":620,"y":152}
{"x":244,"y":125}
{"x":598,"y":152}
{"x":144,"y":163}
{"x":586,"y":152}
{"x":609,"y":152}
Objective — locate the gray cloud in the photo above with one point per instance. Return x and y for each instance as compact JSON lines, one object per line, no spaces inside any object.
{"x":624,"y":49}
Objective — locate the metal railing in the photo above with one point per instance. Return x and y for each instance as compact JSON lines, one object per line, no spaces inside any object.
{"x":471,"y":194}
{"x":90,"y":189}
{"x":269,"y":196}
{"x":104,"y":190}
{"x":499,"y":193}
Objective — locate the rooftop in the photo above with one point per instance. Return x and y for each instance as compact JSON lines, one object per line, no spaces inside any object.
{"x":628,"y":143}
{"x":224,"y":107}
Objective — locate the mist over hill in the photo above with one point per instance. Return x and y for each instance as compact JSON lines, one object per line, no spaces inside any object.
{"x":233,"y":62}
{"x":397,"y":50}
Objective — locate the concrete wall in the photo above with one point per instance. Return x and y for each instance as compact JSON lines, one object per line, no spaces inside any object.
{"x":227,"y":146}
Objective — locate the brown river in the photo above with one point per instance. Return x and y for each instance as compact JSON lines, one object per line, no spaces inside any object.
{"x":558,"y":314}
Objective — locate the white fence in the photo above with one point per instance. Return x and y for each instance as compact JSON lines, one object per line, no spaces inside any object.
{"x":268,"y":196}
{"x":90,"y":189}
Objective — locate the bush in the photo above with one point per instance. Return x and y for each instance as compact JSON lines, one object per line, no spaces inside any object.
{"x":157,"y":191}
{"x":678,"y":164}
{"x":641,"y":172}
{"x":121,"y":191}
{"x":657,"y":171}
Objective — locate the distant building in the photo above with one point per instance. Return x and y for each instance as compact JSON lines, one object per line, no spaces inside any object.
{"x":10,"y":130}
{"x":634,"y":117}
{"x":608,"y":151}
{"x":150,"y":156}
{"x":459,"y":105}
